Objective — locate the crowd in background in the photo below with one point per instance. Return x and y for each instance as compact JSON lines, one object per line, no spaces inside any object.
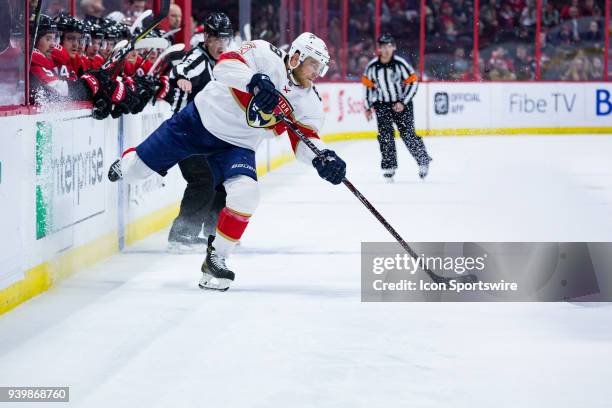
{"x":571,"y":37}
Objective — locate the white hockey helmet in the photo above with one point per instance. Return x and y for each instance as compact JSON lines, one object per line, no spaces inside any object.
{"x":309,"y":45}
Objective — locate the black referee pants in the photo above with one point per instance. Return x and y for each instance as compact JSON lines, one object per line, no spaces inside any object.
{"x":404,"y":120}
{"x":201,"y":204}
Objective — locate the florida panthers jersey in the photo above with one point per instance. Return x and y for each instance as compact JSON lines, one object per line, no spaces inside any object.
{"x":225,"y":104}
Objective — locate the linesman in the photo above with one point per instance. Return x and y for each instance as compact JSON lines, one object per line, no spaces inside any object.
{"x":390,"y":85}
{"x":201,"y":204}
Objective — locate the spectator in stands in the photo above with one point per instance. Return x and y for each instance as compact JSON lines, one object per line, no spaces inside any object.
{"x":565,"y":11}
{"x":501,"y":71}
{"x":524,"y":64}
{"x":93,"y":8}
{"x":137,"y":7}
{"x":529,"y":15}
{"x":55,"y":7}
{"x":507,"y":18}
{"x":460,"y":15}
{"x":460,"y":66}
{"x":448,"y":22}
{"x":489,"y":22}
{"x":517,"y":6}
{"x":565,"y":37}
{"x":175,"y":16}
{"x":594,"y":33}
{"x":578,"y":69}
{"x":550,"y":16}
{"x":572,"y":20}
{"x":597,"y":69}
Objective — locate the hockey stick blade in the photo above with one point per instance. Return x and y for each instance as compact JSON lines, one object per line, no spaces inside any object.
{"x":432,"y":275}
{"x":172,"y":32}
{"x":138,"y":22}
{"x":152,"y":42}
{"x":160,"y":58}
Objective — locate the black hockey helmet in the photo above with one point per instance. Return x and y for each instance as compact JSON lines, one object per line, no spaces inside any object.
{"x":68,"y":24}
{"x":45,"y":25}
{"x":386,"y":38}
{"x":218,"y":24}
{"x":95,"y":30}
{"x":123,"y":31}
{"x":111,"y":33}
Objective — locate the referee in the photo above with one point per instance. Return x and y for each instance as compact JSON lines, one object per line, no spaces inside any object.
{"x":201,"y":204}
{"x":390,"y":84}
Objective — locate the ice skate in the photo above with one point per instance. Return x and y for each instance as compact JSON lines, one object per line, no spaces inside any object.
{"x":423,"y":170}
{"x":388,"y":175}
{"x":215,"y":274}
{"x":114,"y":173}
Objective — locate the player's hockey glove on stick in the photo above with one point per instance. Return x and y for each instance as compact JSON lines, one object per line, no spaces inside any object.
{"x":329,"y":166}
{"x":266,"y":95}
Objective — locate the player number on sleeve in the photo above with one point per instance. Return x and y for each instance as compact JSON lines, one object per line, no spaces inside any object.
{"x":276,"y":51}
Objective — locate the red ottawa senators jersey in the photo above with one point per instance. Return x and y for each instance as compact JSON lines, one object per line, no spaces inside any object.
{"x":63,"y":63}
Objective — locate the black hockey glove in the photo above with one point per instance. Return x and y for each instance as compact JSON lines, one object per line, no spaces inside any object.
{"x":266,"y":96}
{"x":145,"y":90}
{"x":330,"y":167}
{"x":129,"y":104}
{"x":102,"y":106}
{"x":84,"y":88}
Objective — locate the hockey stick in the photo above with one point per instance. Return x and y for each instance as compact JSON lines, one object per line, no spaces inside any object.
{"x":171,"y":32}
{"x":120,"y":54}
{"x":138,"y":22}
{"x":37,"y":21}
{"x":117,"y":46}
{"x":152,"y":42}
{"x":160,"y":58}
{"x":436,"y":278}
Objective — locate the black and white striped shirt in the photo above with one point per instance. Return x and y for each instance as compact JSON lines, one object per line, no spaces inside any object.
{"x":395,"y":81}
{"x":197,"y":67}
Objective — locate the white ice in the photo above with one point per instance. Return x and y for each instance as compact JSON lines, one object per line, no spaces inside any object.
{"x":135,"y":331}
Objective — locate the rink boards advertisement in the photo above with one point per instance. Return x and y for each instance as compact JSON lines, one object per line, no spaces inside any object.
{"x":59,"y":214}
{"x":469,"y":108}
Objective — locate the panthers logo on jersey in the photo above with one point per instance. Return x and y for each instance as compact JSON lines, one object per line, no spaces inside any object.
{"x":258,"y":119}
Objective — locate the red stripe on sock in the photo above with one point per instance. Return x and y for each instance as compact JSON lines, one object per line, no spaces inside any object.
{"x":231,"y":224}
{"x":131,"y":149}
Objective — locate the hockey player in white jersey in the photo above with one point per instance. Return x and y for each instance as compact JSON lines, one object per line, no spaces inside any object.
{"x":228,"y":120}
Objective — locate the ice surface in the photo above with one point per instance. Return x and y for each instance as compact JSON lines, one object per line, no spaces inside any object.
{"x":135,"y":331}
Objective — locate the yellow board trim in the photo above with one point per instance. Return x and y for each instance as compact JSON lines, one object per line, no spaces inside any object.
{"x":150,"y":223}
{"x":334,"y":137}
{"x":41,"y":277}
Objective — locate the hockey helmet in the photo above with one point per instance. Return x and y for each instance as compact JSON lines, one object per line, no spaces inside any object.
{"x":386,"y":38}
{"x":309,"y":45}
{"x":218,"y":24}
{"x":45,"y":25}
{"x":68,"y":24}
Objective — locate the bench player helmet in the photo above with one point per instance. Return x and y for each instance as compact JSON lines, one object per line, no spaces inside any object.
{"x":45,"y":25}
{"x":68,"y":24}
{"x":309,"y":45}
